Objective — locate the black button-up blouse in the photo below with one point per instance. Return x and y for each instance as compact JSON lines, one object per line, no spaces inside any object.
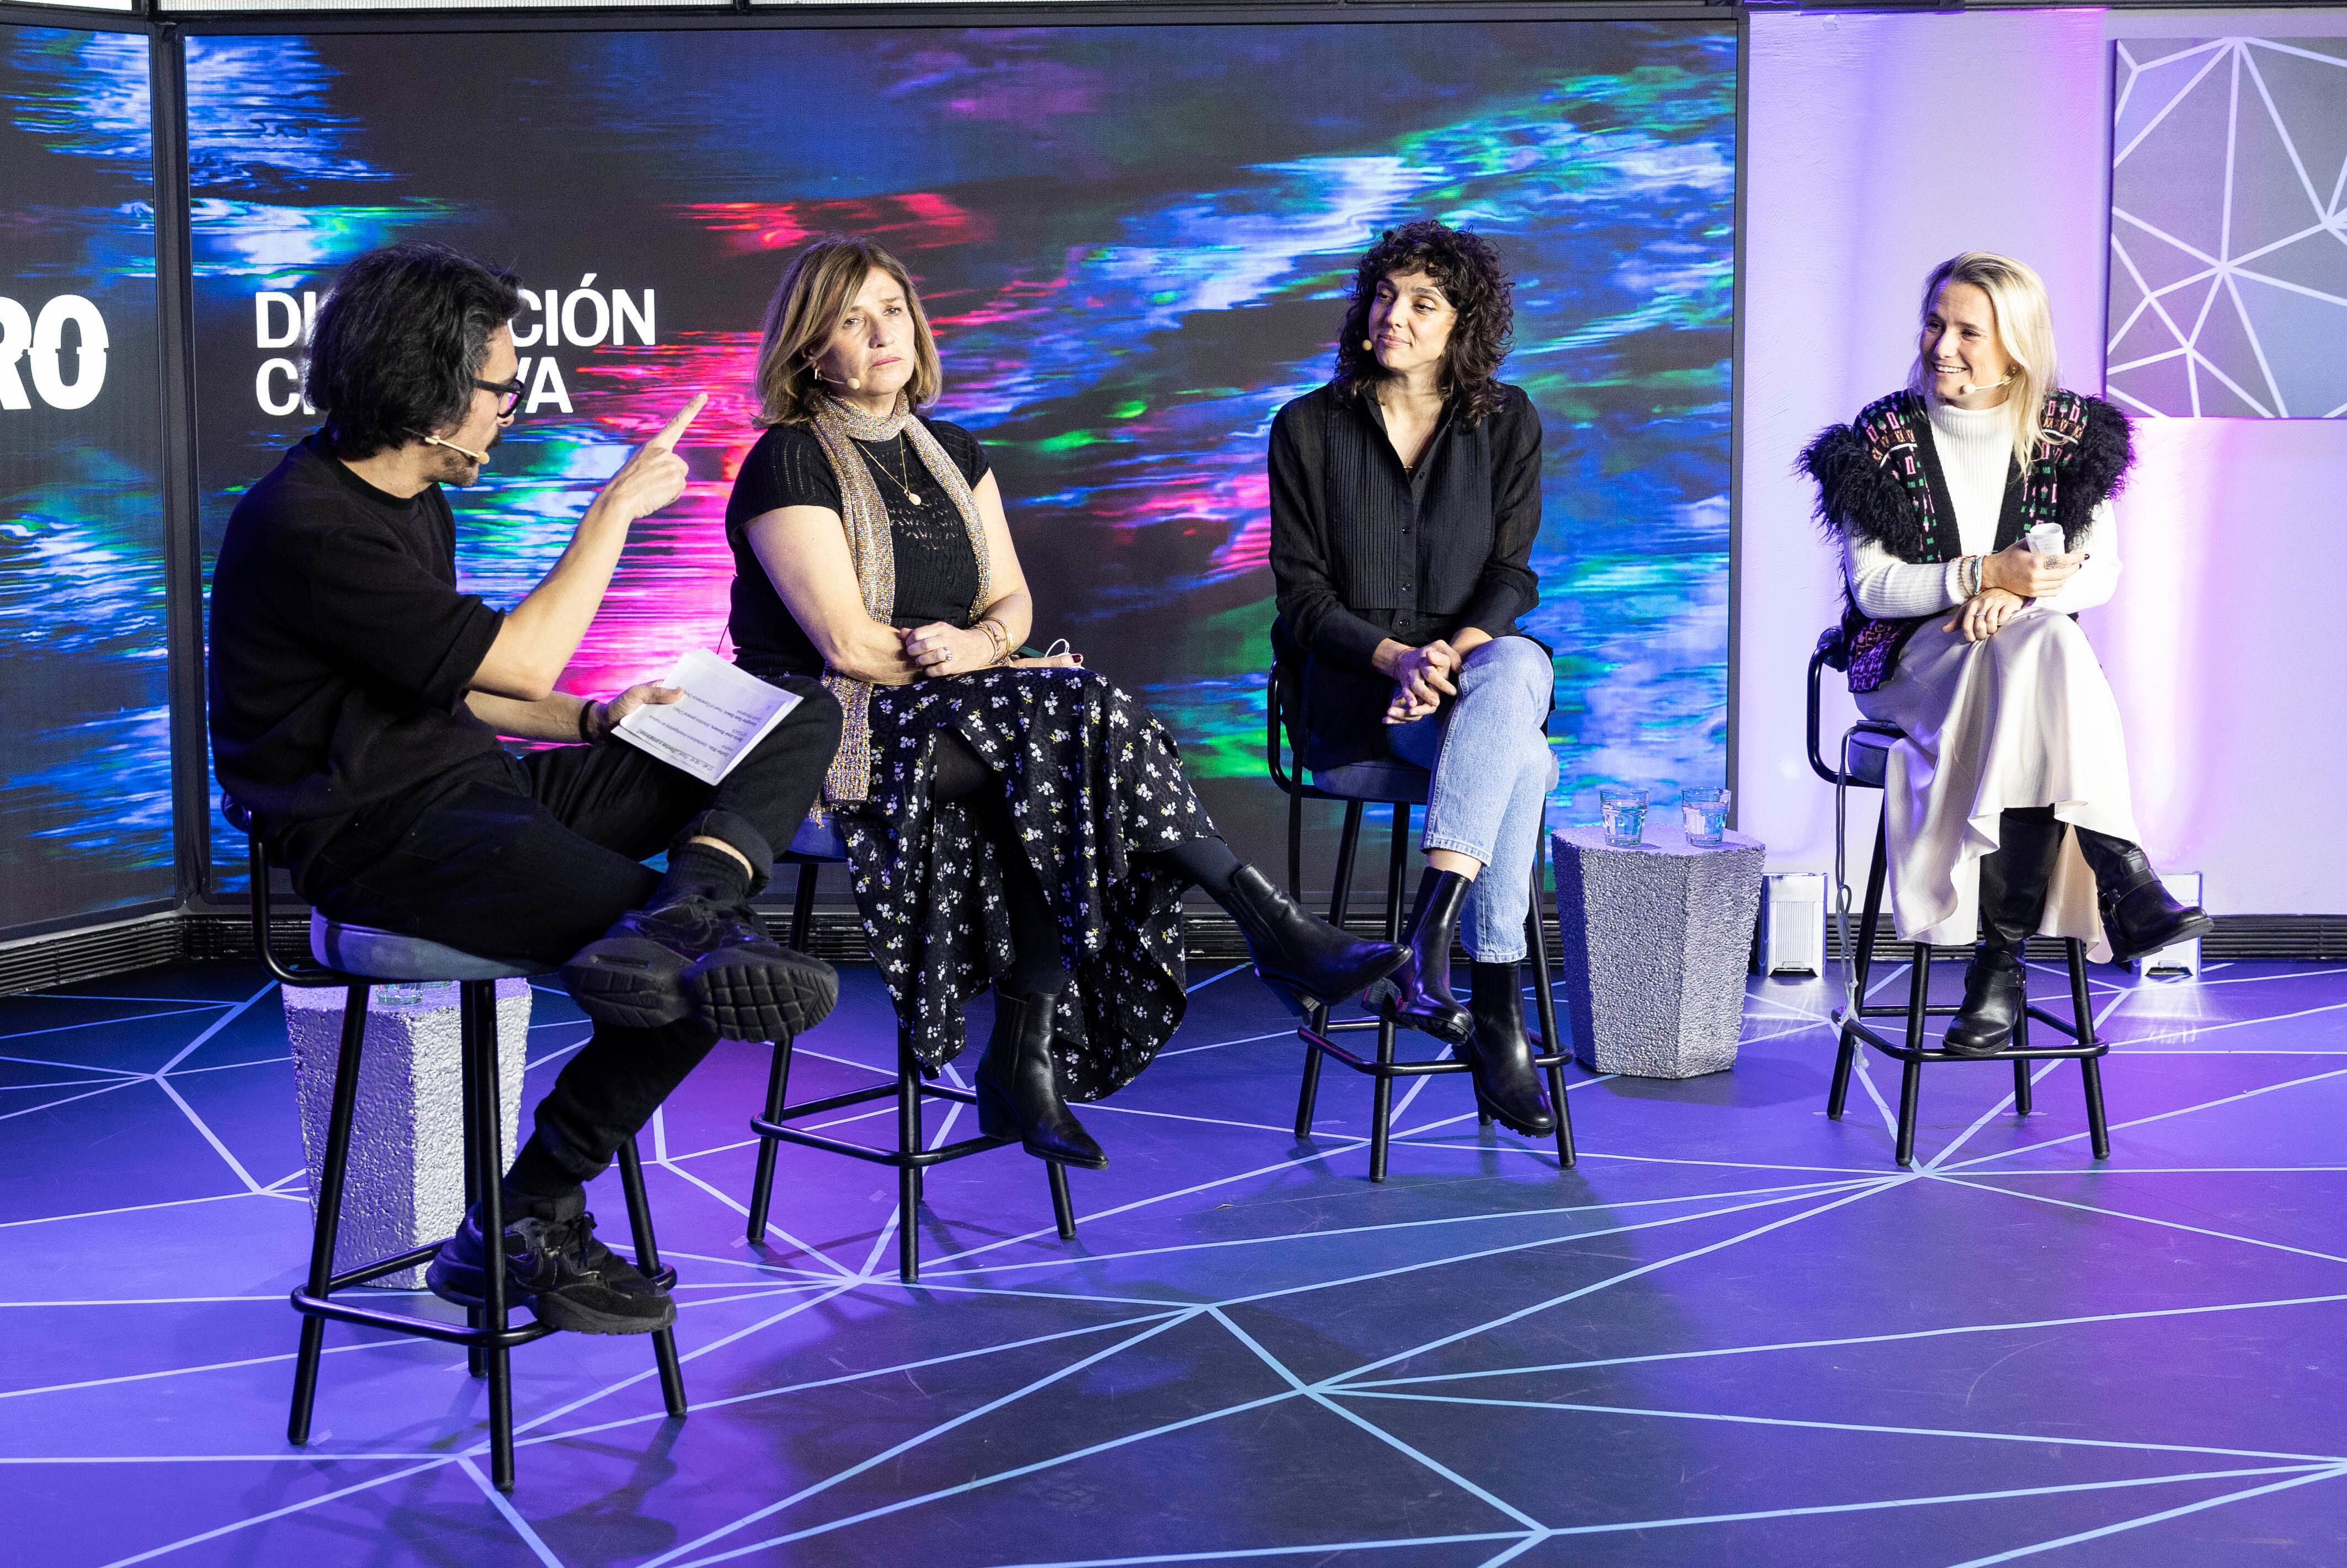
{"x":1363,"y":551}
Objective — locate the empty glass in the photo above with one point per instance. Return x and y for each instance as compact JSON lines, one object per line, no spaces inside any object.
{"x":1625,"y":814}
{"x":1703,"y":814}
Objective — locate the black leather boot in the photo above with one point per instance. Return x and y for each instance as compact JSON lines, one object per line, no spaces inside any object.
{"x":1997,"y":992}
{"x":1500,"y":1054}
{"x":2013,"y":884}
{"x":2139,"y":916}
{"x":1418,"y":996}
{"x":1019,"y":1088}
{"x":1309,"y":962}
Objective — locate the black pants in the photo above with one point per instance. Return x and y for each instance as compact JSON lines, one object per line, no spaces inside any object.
{"x":534,"y":866}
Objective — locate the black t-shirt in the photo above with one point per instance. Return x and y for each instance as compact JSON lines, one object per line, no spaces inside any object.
{"x":936,"y":571}
{"x":341,"y":651}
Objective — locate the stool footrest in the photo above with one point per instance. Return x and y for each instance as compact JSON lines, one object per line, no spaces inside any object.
{"x":770,"y":1126}
{"x":1373,"y":1068}
{"x":828,"y":1102}
{"x":919,"y":1160}
{"x":2060,"y":1025}
{"x":382,"y":1265}
{"x":1318,"y":1040}
{"x":2028,"y":1053}
{"x":1892,"y":1009}
{"x":311,"y":1306}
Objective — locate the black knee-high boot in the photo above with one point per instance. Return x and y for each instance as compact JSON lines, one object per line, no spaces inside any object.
{"x":2140,"y":915}
{"x":1418,"y":996}
{"x":2013,"y":884}
{"x":1019,"y":1085}
{"x":1500,"y":1054}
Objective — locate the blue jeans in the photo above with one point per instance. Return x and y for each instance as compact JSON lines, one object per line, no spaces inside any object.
{"x":1487,"y":751}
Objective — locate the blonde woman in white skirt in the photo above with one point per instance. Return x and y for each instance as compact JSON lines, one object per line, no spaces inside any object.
{"x":2008,"y":807}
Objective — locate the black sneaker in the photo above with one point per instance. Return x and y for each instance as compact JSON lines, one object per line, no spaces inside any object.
{"x":556,"y":1267}
{"x":699,"y":958}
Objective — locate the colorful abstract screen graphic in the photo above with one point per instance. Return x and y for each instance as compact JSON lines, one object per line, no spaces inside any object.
{"x":1133,"y":243}
{"x":2228,"y":189}
{"x":85,"y":815}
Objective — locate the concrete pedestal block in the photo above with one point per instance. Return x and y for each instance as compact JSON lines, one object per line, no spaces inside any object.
{"x":407,"y":1179}
{"x":1656,"y":941}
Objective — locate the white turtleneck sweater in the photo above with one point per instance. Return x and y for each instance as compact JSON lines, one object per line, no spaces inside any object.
{"x":1975,"y":447}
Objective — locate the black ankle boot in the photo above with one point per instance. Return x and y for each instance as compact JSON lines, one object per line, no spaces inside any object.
{"x":1296,"y":953}
{"x":1418,"y":996}
{"x":1500,"y":1055}
{"x":2140,"y":915}
{"x":1997,"y":992}
{"x":1019,"y":1088}
{"x":2013,"y":882}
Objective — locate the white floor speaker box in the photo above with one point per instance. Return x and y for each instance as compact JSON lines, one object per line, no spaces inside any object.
{"x":1793,"y":923}
{"x":2184,"y":958}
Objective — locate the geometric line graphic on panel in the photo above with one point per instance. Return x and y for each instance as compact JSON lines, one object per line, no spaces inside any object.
{"x":2228,"y":228}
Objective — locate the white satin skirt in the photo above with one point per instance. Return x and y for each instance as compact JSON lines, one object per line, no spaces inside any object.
{"x":2024,"y":719}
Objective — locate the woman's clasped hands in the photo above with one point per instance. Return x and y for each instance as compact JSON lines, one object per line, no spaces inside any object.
{"x":941,"y":650}
{"x":1422,"y":677}
{"x":2010,"y":579}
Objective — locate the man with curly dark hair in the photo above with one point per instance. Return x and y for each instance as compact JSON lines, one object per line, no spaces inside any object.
{"x":1405,"y":498}
{"x":357,"y":699}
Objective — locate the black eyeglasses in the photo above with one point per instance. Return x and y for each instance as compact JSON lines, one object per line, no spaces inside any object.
{"x":508,"y":395}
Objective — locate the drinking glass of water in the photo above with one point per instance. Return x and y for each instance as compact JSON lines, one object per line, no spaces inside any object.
{"x":1625,"y":814}
{"x":1703,"y":814}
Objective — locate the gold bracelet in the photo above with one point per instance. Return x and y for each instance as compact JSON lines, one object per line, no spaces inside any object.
{"x":998,"y":637}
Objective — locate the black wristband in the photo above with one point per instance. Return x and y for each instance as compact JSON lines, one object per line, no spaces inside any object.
{"x":586,"y":710}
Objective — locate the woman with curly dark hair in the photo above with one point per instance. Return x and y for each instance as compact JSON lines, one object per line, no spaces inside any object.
{"x":1974,"y":517}
{"x":1405,"y":498}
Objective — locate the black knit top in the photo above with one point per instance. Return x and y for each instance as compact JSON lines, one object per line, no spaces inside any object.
{"x":936,"y":571}
{"x":1363,"y":551}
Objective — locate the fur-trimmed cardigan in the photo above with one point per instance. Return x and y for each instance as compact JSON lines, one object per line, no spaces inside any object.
{"x":1878,"y":479}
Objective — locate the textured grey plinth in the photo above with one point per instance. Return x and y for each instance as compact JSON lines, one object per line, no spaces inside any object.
{"x":406,"y":1180}
{"x":1656,"y":939}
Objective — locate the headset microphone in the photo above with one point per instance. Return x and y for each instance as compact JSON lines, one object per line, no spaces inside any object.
{"x":481,"y":458}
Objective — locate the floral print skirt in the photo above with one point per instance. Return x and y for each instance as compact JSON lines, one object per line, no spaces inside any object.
{"x":1093,"y":784}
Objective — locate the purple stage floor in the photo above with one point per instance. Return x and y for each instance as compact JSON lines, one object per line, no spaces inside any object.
{"x":1735,"y":1335}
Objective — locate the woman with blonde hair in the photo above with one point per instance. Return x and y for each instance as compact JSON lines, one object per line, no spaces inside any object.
{"x":1027,"y":825}
{"x":1973,"y":511}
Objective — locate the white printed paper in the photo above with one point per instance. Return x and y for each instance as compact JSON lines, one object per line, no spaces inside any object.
{"x":725,"y":711}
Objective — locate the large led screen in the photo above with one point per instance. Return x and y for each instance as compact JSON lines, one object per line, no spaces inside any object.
{"x":85,"y":722}
{"x":1133,"y":243}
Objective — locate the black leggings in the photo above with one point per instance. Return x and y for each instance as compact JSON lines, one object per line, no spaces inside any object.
{"x":957,"y":772}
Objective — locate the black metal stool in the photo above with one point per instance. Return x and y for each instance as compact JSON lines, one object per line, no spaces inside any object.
{"x":1401,"y":786}
{"x":1865,"y":763}
{"x":814,"y":847}
{"x":358,"y":957}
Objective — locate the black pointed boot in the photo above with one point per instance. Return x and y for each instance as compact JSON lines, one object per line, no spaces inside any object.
{"x":2013,"y":884}
{"x":1019,"y":1088}
{"x":1418,"y":996}
{"x":1500,"y":1054}
{"x":2140,"y":915}
{"x":1309,"y":961}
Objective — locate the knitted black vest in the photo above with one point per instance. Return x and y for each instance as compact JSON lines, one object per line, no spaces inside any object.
{"x":1878,"y":479}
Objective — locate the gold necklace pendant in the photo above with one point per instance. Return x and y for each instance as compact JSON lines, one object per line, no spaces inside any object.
{"x":896,"y":479}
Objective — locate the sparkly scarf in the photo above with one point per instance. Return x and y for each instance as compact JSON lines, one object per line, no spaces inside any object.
{"x":864,"y":515}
